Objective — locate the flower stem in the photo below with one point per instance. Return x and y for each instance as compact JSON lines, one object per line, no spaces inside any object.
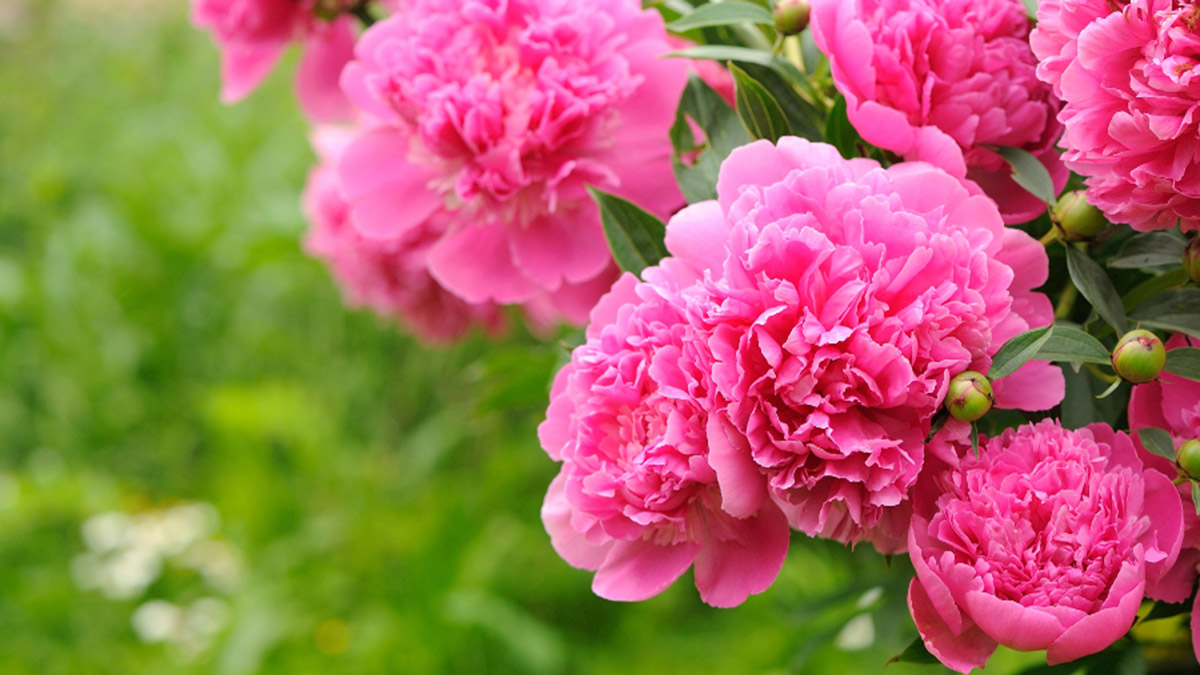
{"x":1066,"y":301}
{"x":1050,"y":237}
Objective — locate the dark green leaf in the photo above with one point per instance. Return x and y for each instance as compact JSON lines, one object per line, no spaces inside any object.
{"x":1029,"y":173}
{"x":1095,"y":285}
{"x":1149,"y":249}
{"x":1177,"y":310}
{"x":1072,"y":345}
{"x":1017,"y":351}
{"x":634,"y":236}
{"x":723,"y":131}
{"x":1166,"y":610}
{"x":1080,"y":407}
{"x":805,"y":119}
{"x":1152,"y":287}
{"x":1031,"y":8}
{"x":1196,"y":496}
{"x":745,"y":54}
{"x":1184,"y":362}
{"x":758,"y":110}
{"x":915,"y":652}
{"x":810,"y":54}
{"x":975,"y":438}
{"x":723,"y":14}
{"x":1157,"y":441}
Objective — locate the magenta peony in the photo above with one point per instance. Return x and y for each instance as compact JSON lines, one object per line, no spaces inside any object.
{"x":1126,"y":73}
{"x":389,"y":276}
{"x":841,"y":299}
{"x":940,"y":81}
{"x":493,"y":116}
{"x":1173,"y":404}
{"x":252,"y":36}
{"x":637,"y":500}
{"x":1046,"y":540}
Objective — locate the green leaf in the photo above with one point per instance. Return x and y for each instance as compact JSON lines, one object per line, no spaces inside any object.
{"x":805,"y":119}
{"x":1157,"y":441}
{"x":1177,"y":310}
{"x":1184,"y":362}
{"x":1152,"y":287}
{"x":1072,"y":345}
{"x":839,"y":132}
{"x":915,"y":652}
{"x":1166,"y":610}
{"x":1080,"y":407}
{"x":758,"y":110}
{"x":723,"y":14}
{"x":1149,"y":249}
{"x":1030,"y":8}
{"x":1028,"y":172}
{"x":975,"y":438}
{"x":634,"y":236}
{"x":1196,"y":496}
{"x":1017,"y":351}
{"x":746,"y":54}
{"x":723,"y":132}
{"x":1095,"y":285}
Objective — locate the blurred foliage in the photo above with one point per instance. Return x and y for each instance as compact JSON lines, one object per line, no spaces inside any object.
{"x":164,"y":340}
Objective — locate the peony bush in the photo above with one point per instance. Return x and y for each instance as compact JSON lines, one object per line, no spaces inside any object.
{"x":908,"y":274}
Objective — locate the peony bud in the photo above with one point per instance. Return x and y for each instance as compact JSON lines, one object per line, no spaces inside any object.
{"x":1188,"y":456}
{"x":969,"y":396}
{"x":1191,"y":259}
{"x":791,"y":16}
{"x":1077,"y":218}
{"x":1139,"y":356}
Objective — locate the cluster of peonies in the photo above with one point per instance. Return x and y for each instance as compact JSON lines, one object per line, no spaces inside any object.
{"x":1127,"y":74}
{"x":789,"y":358}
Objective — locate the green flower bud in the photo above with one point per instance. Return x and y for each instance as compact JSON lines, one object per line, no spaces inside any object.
{"x":1191,"y":259}
{"x":791,"y":16}
{"x":1188,"y":456}
{"x":969,"y":396}
{"x":1139,"y":356}
{"x":1077,"y":218}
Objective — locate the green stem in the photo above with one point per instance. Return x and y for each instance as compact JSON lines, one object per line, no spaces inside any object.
{"x":1066,"y":301}
{"x":1050,"y":237}
{"x":1101,"y":374}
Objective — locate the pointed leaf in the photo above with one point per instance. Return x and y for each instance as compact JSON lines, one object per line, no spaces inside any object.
{"x":1028,"y":172}
{"x":635,"y":237}
{"x":758,"y":110}
{"x":1095,"y":285}
{"x":1157,"y":441}
{"x":915,"y":652}
{"x":1030,"y":8}
{"x":839,"y":132}
{"x":1152,"y":287}
{"x":1177,"y":310}
{"x":975,"y":438}
{"x":746,"y":54}
{"x":697,"y":177}
{"x":1184,"y":362}
{"x":1071,"y":345}
{"x":1149,"y":249}
{"x":723,"y":14}
{"x":1196,"y":496}
{"x":1017,"y":351}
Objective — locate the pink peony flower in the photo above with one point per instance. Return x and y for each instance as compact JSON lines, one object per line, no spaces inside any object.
{"x":940,"y":81}
{"x":1126,"y":72}
{"x":253,"y":34}
{"x":637,"y":499}
{"x":1172,"y":403}
{"x":494,"y":116}
{"x":840,"y":300}
{"x":1046,"y":540}
{"x":389,"y":276}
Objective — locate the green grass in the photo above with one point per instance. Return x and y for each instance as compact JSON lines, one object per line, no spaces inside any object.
{"x":163,"y":340}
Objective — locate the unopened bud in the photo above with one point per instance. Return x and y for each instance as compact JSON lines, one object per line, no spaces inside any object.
{"x":1191,"y":259}
{"x":791,"y":16}
{"x":1077,"y":218}
{"x":969,"y":396}
{"x":1188,"y":456}
{"x":1139,"y":356}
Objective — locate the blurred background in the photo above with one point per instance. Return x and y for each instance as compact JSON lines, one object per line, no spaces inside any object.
{"x":207,"y":464}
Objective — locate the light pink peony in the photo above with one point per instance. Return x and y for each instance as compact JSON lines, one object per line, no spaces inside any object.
{"x":253,"y":35}
{"x":1126,"y":73}
{"x":389,"y":276}
{"x":636,"y":499}
{"x":840,"y":300}
{"x":1172,"y":403}
{"x":495,"y":115}
{"x":1046,"y":540}
{"x":938,"y":81}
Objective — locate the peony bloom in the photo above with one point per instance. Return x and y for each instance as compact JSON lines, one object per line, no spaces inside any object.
{"x":389,"y":276}
{"x":840,"y":300}
{"x":1046,"y":540}
{"x":493,"y":117}
{"x":1172,"y":403}
{"x":1126,"y":73}
{"x":940,"y":81}
{"x":253,"y":34}
{"x":637,"y":500}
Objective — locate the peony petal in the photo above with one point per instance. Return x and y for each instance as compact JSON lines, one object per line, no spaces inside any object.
{"x":1037,"y":385}
{"x":697,"y":236}
{"x":1096,"y":631}
{"x":388,"y":194}
{"x":568,"y":542}
{"x":244,"y":67}
{"x":1007,"y":622}
{"x":637,"y":570}
{"x":961,"y":651}
{"x":326,"y":52}
{"x":474,"y":263}
{"x":730,"y":570}
{"x":743,"y":487}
